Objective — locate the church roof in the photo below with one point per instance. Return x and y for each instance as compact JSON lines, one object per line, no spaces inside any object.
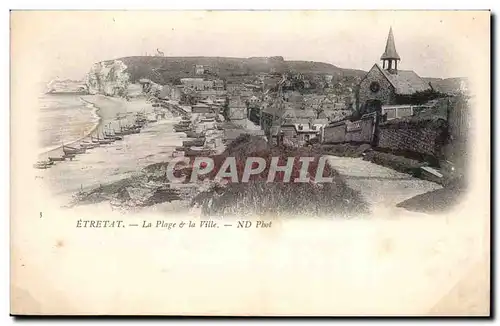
{"x":405,"y":82}
{"x":390,"y":48}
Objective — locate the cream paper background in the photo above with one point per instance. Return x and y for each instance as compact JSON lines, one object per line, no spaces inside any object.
{"x":395,"y":263}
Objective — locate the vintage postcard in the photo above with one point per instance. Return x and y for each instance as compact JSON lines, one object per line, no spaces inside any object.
{"x":250,"y":163}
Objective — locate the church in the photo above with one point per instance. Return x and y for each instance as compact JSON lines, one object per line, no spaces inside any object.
{"x":387,"y":85}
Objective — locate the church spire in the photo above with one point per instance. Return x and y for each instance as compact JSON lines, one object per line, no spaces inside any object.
{"x":390,"y":54}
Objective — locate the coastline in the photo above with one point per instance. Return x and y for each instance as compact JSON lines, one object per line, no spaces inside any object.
{"x":97,"y":123}
{"x":95,"y":113}
{"x":155,"y":143}
{"x":104,"y":110}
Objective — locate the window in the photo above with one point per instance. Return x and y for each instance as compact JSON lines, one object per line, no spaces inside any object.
{"x":374,"y":87}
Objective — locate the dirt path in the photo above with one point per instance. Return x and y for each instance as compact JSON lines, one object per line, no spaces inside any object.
{"x":381,"y":187}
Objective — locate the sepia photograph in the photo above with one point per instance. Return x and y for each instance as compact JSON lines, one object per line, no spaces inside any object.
{"x":250,"y":163}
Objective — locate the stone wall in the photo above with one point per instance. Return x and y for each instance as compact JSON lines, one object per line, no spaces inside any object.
{"x":237,"y":113}
{"x":334,"y":133}
{"x":361,"y":131}
{"x":423,"y":138}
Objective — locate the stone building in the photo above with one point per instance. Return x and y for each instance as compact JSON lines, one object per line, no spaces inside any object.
{"x":387,"y":85}
{"x":197,"y":84}
{"x":199,"y":69}
{"x":219,"y":85}
{"x":171,"y":92}
{"x":237,"y":109}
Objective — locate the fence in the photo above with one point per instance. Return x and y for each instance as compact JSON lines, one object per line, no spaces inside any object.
{"x":425,"y":135}
{"x":360,"y":131}
{"x":401,"y":111}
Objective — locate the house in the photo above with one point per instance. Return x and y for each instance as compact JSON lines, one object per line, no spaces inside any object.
{"x":254,"y":101}
{"x":237,"y":109}
{"x":145,"y":84}
{"x":234,"y":88}
{"x":387,"y":85}
{"x":199,"y":69}
{"x":218,"y":85}
{"x":298,"y":132}
{"x":291,"y":108}
{"x":210,"y":94}
{"x":197,"y":84}
{"x":171,"y":92}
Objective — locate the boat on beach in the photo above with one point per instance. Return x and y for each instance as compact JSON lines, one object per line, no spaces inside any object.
{"x":113,"y":137}
{"x":73,"y":150}
{"x":87,"y":145}
{"x":101,"y":141}
{"x":197,"y":152}
{"x":134,"y":130}
{"x":105,"y":141}
{"x":124,"y":131}
{"x":178,"y":128}
{"x":183,"y":123}
{"x":194,"y":142}
{"x":43,"y":164}
{"x":194,"y":134}
{"x":141,"y":119}
{"x":128,"y":130}
{"x":70,"y":156}
{"x":57,"y":159}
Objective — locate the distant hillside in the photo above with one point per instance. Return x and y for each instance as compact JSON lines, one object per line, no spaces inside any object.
{"x":164,"y":70}
{"x":447,"y":85}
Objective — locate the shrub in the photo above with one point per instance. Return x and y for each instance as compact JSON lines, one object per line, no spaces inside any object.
{"x":398,"y":163}
{"x":278,"y":197}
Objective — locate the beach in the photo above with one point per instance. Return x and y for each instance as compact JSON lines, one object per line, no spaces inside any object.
{"x":112,"y":162}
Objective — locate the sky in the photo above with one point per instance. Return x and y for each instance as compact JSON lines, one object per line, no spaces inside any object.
{"x":65,"y":44}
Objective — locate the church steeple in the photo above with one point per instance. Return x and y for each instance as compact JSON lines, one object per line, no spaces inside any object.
{"x":390,"y":57}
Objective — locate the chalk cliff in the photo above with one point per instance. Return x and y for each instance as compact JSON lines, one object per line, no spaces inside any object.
{"x":108,"y":78}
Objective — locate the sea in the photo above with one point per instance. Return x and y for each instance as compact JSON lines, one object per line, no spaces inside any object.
{"x":63,"y":119}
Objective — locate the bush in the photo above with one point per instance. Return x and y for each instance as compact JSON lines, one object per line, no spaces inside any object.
{"x":278,"y":197}
{"x":344,"y":150}
{"x":398,"y":163}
